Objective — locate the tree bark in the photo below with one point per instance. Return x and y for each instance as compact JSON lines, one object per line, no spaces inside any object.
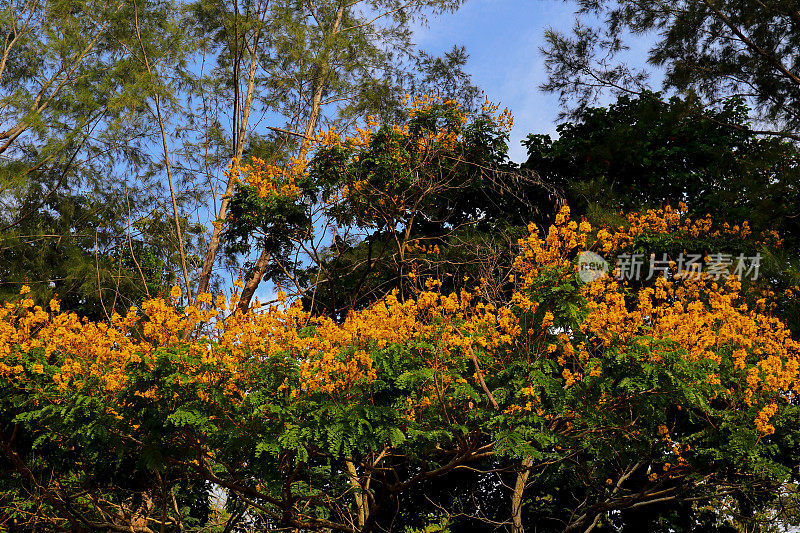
{"x":239,"y":134}
{"x":516,"y":496}
{"x":252,"y":282}
{"x":361,"y":507}
{"x":316,"y":103}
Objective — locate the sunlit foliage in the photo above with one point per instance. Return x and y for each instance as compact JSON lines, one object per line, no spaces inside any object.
{"x":321,"y":424}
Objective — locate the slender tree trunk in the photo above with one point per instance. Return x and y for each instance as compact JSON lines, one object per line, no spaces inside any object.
{"x":239,"y":135}
{"x":316,"y":103}
{"x":361,"y":508}
{"x":164,"y":145}
{"x":256,"y":274}
{"x":181,"y":250}
{"x":516,"y":496}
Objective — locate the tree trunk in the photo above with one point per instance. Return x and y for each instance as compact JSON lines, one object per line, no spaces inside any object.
{"x":316,"y":103}
{"x":252,"y":282}
{"x":516,"y":496}
{"x":239,"y":133}
{"x":361,"y":504}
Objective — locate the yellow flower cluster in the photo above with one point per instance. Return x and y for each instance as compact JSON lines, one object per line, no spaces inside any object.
{"x":269,"y":180}
{"x":705,"y":320}
{"x":663,"y":221}
{"x":504,"y":120}
{"x":762,"y":420}
{"x":223,"y":347}
{"x":328,"y":139}
{"x":76,"y":349}
{"x":563,"y":239}
{"x":415,"y":246}
{"x":425,"y":102}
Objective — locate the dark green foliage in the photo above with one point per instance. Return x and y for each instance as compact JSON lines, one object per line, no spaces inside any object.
{"x":714,"y":49}
{"x":77,"y":198}
{"x":79,"y":248}
{"x":646,"y":152}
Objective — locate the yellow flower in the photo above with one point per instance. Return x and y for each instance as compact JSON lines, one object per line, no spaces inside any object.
{"x":175,"y":292}
{"x":25,"y":290}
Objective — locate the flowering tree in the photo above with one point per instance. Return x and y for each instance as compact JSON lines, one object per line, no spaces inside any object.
{"x":346,"y":226}
{"x":427,"y":196}
{"x":301,"y":421}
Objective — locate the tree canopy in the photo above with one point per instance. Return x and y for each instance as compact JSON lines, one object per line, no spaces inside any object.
{"x":124,"y":424}
{"x":713,"y":49}
{"x":419,"y":334}
{"x":648,"y":151}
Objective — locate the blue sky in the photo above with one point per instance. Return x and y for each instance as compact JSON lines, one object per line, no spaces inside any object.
{"x":503,"y":38}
